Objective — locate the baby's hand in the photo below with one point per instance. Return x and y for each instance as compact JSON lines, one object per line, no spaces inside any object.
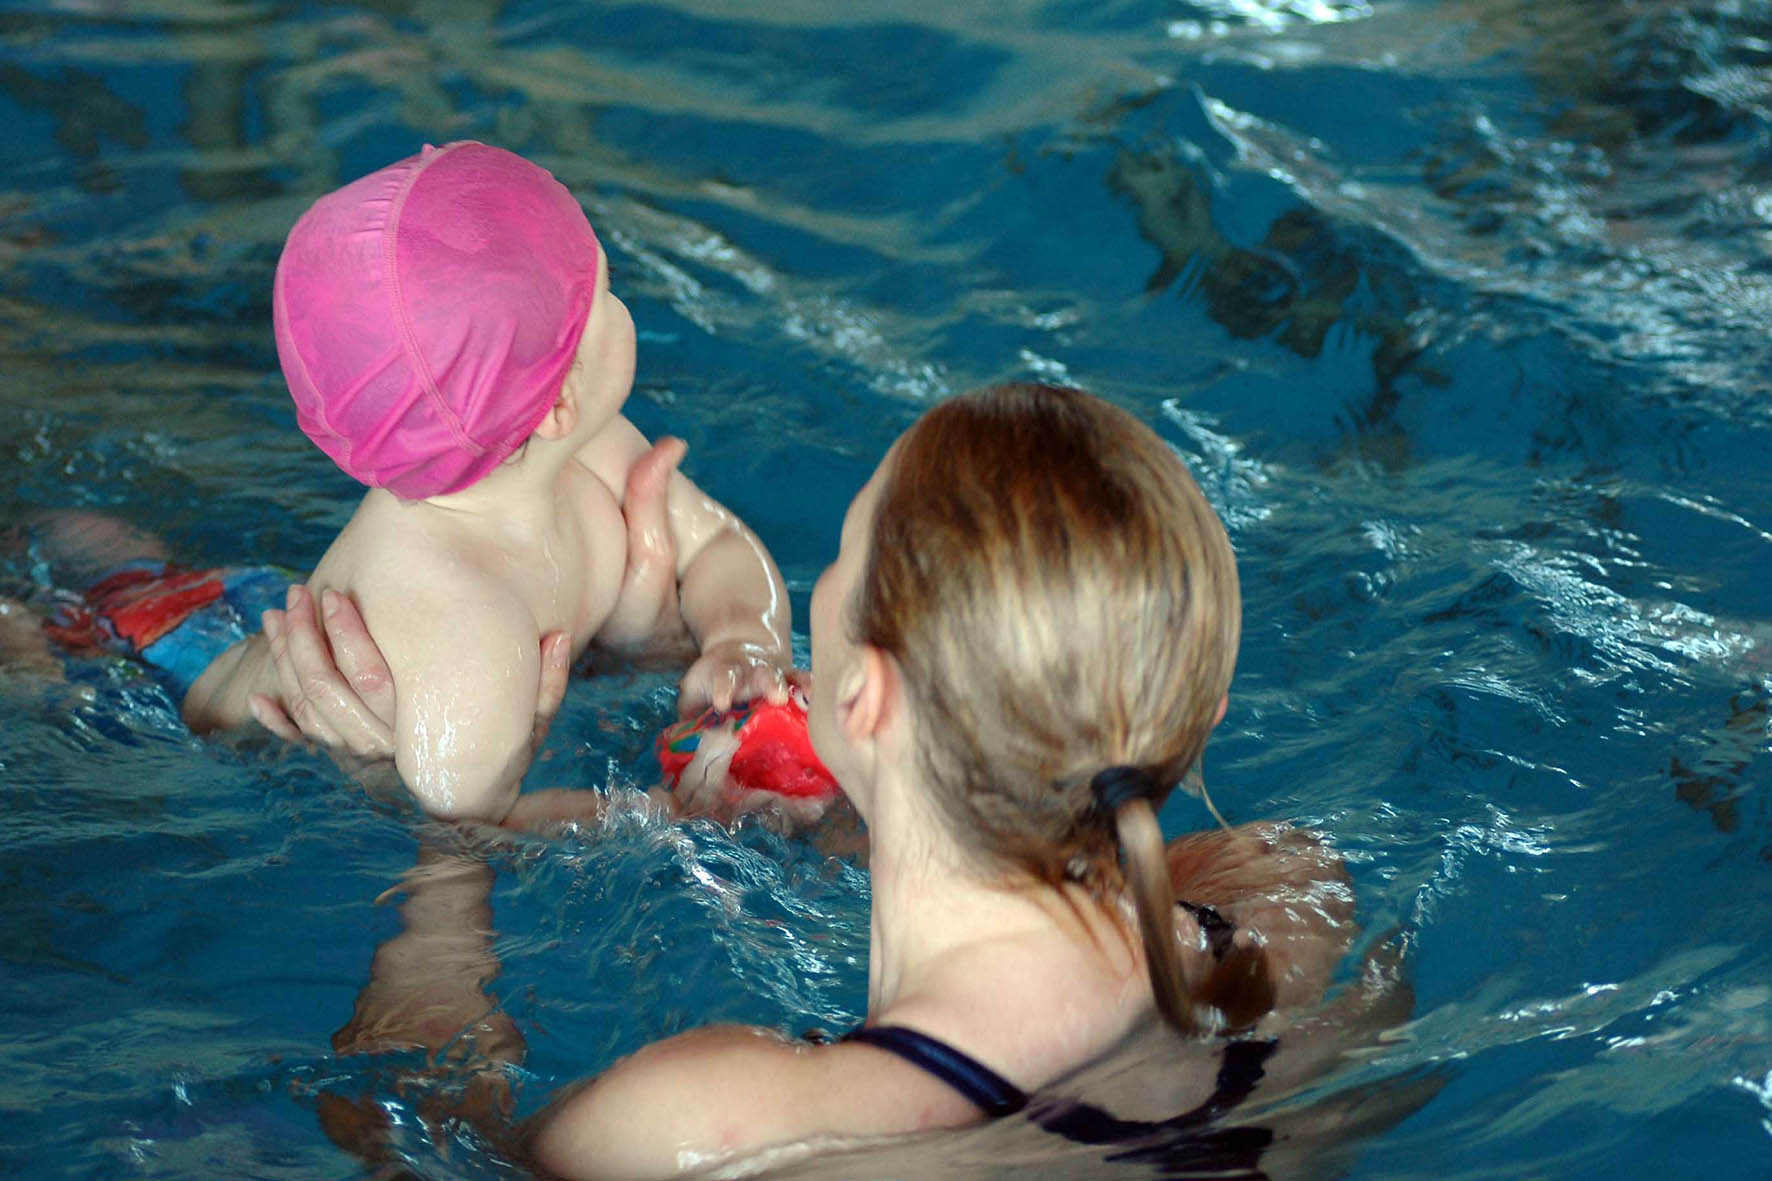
{"x":732,"y":672}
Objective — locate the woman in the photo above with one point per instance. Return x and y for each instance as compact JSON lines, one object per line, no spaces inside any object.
{"x":1020,"y":650}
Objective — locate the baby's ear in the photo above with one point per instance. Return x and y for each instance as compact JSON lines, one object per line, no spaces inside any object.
{"x":561,"y":417}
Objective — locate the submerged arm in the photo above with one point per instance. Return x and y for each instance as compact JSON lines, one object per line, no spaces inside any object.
{"x":429,"y":990}
{"x":427,"y":985}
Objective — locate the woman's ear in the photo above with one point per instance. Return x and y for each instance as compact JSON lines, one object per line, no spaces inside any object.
{"x":1224,"y":703}
{"x":561,"y":417}
{"x":867,"y":695}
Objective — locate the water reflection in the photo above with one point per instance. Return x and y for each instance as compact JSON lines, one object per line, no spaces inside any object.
{"x":1295,"y":286}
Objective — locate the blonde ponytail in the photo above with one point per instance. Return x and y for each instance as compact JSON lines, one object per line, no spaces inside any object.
{"x":1239,"y":990}
{"x":1124,"y":794}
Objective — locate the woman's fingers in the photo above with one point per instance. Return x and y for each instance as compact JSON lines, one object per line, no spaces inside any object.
{"x":316,"y":694}
{"x":646,"y":611}
{"x":296,"y":707}
{"x":359,"y":659}
{"x":556,"y":669}
{"x":652,"y":550}
{"x":270,"y":714}
{"x":645,"y":502}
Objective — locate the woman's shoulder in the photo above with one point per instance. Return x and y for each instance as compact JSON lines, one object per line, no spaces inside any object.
{"x":1035,"y":1007}
{"x":1283,"y":885}
{"x":733,"y":1091}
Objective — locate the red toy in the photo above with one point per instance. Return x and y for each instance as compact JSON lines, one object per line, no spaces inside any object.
{"x":774,"y":752}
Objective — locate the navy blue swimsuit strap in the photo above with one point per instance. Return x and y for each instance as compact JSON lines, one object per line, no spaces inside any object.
{"x":993,"y":1094}
{"x":1240,"y":1070}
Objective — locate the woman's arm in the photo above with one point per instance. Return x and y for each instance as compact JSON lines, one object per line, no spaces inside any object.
{"x":428,"y":989}
{"x":427,"y":986}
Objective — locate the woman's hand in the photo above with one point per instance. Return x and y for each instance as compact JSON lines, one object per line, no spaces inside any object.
{"x":646,"y":612}
{"x":335,"y":688}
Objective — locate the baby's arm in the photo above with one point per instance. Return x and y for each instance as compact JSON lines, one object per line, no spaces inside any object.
{"x":686,"y":548}
{"x":465,"y":701}
{"x":732,"y":597}
{"x":221,"y":697}
{"x":334,"y":685}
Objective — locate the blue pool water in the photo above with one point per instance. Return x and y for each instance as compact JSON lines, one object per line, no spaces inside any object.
{"x":1458,"y":309}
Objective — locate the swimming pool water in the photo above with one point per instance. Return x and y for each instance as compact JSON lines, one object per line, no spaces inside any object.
{"x":1457,"y":308}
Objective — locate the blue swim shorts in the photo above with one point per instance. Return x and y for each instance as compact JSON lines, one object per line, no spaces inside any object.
{"x":176,"y":619}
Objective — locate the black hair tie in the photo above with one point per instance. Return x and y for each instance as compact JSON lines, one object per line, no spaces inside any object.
{"x":1115,"y":786}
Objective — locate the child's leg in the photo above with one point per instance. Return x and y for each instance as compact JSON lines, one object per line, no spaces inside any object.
{"x":23,"y":646}
{"x":135,"y":600}
{"x":82,"y":546}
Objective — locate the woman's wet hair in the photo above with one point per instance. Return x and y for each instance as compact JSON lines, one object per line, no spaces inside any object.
{"x":1061,"y":600}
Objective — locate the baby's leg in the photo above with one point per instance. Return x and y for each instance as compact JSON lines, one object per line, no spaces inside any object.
{"x":24,"y":649}
{"x":81,"y":546}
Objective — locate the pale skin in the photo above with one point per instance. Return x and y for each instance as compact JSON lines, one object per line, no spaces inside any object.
{"x":478,"y":599}
{"x":1027,"y":981}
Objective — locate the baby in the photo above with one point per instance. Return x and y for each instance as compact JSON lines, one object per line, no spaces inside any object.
{"x":448,"y":334}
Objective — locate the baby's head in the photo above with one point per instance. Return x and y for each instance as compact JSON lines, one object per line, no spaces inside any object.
{"x":427,"y":315}
{"x":1061,"y":599}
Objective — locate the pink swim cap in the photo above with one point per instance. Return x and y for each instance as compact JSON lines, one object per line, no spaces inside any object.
{"x":427,"y":314}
